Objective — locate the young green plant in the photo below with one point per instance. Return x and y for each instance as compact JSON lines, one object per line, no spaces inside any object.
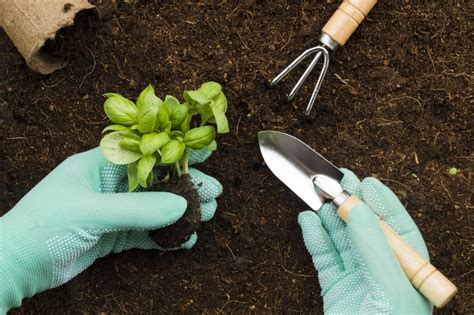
{"x":153,"y":133}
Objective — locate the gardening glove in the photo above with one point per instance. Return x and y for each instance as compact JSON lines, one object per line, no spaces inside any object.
{"x":115,"y":180}
{"x":69,"y":220}
{"x":357,"y":270}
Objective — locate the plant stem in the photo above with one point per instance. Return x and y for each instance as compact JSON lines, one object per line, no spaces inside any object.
{"x":178,"y":169}
{"x":187,"y":154}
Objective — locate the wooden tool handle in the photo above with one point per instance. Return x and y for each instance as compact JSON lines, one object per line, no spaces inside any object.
{"x":345,"y":20}
{"x":423,"y":275}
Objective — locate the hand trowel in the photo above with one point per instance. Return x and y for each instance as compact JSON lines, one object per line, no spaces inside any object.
{"x":315,"y":180}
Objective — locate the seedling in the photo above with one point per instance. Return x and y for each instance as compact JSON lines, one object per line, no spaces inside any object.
{"x":152,"y":132}
{"x":453,"y":171}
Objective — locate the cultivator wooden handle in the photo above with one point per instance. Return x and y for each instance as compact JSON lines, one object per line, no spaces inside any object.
{"x":347,"y":18}
{"x":438,"y":289}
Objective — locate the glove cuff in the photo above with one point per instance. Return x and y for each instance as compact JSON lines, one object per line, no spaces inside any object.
{"x":21,"y":267}
{"x":10,"y":293}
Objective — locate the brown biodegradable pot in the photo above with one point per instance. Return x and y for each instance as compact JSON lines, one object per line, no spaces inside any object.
{"x":31,"y":23}
{"x":179,"y":232}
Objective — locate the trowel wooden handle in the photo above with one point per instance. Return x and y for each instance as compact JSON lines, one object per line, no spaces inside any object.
{"x":345,"y":20}
{"x":423,"y":275}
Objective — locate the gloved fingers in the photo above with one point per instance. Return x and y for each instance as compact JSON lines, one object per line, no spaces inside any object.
{"x":113,"y":178}
{"x":133,"y":239}
{"x":335,"y":227}
{"x":141,"y":240}
{"x":208,"y":209}
{"x":331,"y":222}
{"x":87,"y":168}
{"x":350,"y":182}
{"x":376,"y":256}
{"x":325,"y":257}
{"x":207,"y":187}
{"x":186,"y":245}
{"x":129,"y":211}
{"x":92,"y":157}
{"x":190,"y":242}
{"x":387,"y":206}
{"x":199,"y":156}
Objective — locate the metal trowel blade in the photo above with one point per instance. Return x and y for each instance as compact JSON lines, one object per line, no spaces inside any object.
{"x":296,"y":164}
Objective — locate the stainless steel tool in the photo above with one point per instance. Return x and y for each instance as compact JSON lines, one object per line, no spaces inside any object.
{"x":334,"y":35}
{"x":315,"y":180}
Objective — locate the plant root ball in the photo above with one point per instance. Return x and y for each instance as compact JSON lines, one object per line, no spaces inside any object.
{"x":179,"y":232}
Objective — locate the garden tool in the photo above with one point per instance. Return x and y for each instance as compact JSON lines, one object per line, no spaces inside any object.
{"x":334,"y":34}
{"x":315,"y":180}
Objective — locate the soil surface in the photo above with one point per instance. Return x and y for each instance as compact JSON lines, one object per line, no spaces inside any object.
{"x":396,"y":103}
{"x":179,"y":232}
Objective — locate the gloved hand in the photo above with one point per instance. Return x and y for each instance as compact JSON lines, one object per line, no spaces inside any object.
{"x":357,"y":270}
{"x":71,"y":218}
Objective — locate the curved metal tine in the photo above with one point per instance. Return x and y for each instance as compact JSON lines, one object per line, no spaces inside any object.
{"x":304,"y":76}
{"x":293,"y":64}
{"x":320,"y":80}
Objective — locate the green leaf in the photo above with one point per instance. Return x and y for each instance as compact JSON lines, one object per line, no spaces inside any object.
{"x":211,"y":89}
{"x":178,"y":115}
{"x":186,"y":124}
{"x":149,"y":179}
{"x":171,"y":103}
{"x":172,"y":152}
{"x":151,"y":142}
{"x":176,"y":133}
{"x":193,"y":111}
{"x":115,"y":128}
{"x":145,"y":166}
{"x":221,"y":102}
{"x":198,"y":138}
{"x":166,"y":127}
{"x":196,"y":98}
{"x":132,"y":172}
{"x":148,"y":104}
{"x":162,"y":117}
{"x":212,"y":146}
{"x":114,"y":152}
{"x":130,"y":142}
{"x":120,"y":110}
{"x":220,"y":119}
{"x":205,"y":112}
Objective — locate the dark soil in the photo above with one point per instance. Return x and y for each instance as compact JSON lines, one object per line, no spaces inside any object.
{"x":179,"y":232}
{"x":397,"y":103}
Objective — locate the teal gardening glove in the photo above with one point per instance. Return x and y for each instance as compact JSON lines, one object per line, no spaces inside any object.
{"x":79,"y":213}
{"x":357,"y":270}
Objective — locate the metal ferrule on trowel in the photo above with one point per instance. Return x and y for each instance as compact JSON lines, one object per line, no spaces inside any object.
{"x":330,"y":188}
